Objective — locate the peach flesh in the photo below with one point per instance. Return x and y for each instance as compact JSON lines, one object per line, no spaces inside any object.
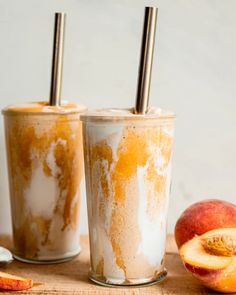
{"x":213,"y":271}
{"x":202,"y":217}
{"x":14,"y":283}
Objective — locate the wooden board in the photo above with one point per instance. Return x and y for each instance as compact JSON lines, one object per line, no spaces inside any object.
{"x":71,"y":277}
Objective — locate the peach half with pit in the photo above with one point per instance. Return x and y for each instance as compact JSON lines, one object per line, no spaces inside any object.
{"x":211,"y":258}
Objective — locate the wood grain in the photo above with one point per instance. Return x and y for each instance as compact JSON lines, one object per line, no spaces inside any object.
{"x":71,"y":277}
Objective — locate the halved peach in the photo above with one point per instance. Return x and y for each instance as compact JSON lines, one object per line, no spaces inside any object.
{"x":14,"y":283}
{"x":211,"y":259}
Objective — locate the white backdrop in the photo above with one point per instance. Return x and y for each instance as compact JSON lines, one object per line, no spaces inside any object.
{"x":194,"y":74}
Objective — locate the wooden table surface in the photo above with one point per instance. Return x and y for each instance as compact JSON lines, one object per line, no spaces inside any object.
{"x":71,"y":277}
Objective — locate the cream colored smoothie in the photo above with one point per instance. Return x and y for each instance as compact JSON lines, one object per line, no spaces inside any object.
{"x":128,"y":172}
{"x":45,"y":165}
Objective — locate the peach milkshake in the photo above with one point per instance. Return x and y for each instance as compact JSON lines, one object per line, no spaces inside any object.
{"x":45,"y":165}
{"x":128,"y":169}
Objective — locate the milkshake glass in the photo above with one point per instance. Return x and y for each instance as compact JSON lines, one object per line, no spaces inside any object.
{"x":45,"y":167}
{"x":128,"y":173}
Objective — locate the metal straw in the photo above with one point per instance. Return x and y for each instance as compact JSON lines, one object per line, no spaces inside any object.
{"x":146,"y":60}
{"x":57,"y":59}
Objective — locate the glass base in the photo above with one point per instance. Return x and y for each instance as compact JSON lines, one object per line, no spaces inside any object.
{"x":131,"y":283}
{"x":53,"y":260}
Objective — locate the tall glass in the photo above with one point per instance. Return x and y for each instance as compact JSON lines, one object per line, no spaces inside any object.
{"x":128,"y":172}
{"x":45,"y":167}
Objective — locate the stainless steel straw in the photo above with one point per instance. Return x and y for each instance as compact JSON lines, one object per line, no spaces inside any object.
{"x":57,"y":59}
{"x":146,"y":60}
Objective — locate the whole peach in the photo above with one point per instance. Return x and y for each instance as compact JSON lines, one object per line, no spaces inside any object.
{"x":204,"y":216}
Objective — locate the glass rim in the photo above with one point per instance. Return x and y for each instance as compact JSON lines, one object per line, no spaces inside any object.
{"x":116,"y":115}
{"x":19,"y":109}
